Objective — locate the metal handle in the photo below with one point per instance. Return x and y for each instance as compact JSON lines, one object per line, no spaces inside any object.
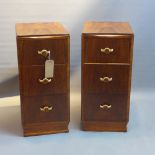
{"x":44,"y":53}
{"x":106,"y":79}
{"x":46,"y":109}
{"x":107,"y":50}
{"x":105,"y":106}
{"x":45,"y":80}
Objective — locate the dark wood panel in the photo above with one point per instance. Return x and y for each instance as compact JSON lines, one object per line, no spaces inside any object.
{"x":94,"y":45}
{"x":92,"y":82}
{"x":30,"y":85}
{"x":31,"y":112}
{"x":104,"y":126}
{"x":45,"y":128}
{"x":45,"y":105}
{"x":107,"y":50}
{"x":28,"y":50}
{"x":105,"y":107}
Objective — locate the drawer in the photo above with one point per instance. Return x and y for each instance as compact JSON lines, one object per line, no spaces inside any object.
{"x":40,"y":109}
{"x":100,"y":49}
{"x":30,"y":84}
{"x":28,"y":50}
{"x":104,"y":107}
{"x":105,"y":78}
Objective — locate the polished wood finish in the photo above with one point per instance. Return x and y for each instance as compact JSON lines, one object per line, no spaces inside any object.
{"x":115,"y":28}
{"x":94,"y":44}
{"x":58,"y":84}
{"x":105,"y":126}
{"x":93,"y":112}
{"x":30,"y":47}
{"x":93,"y":73}
{"x":44,"y":107}
{"x":106,"y":103}
{"x":32,"y":113}
{"x":45,"y":128}
{"x":40,"y":29}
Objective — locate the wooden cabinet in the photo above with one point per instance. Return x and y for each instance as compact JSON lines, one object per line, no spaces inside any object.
{"x":107,"y":49}
{"x":44,"y":100}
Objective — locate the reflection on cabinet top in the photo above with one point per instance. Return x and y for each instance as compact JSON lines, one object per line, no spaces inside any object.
{"x":107,"y":28}
{"x":40,"y":29}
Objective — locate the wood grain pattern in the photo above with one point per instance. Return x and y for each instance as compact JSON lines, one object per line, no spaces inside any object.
{"x":28,"y":48}
{"x":58,"y":85}
{"x":115,"y":28}
{"x":104,"y":126}
{"x":35,"y":95}
{"x":94,"y":43}
{"x":118,"y":65}
{"x":93,"y":112}
{"x":45,"y":128}
{"x":93,"y":73}
{"x":40,"y":29}
{"x":31,"y":109}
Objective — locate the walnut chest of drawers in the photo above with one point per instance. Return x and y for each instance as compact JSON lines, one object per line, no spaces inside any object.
{"x":107,"y":49}
{"x":44,"y":101}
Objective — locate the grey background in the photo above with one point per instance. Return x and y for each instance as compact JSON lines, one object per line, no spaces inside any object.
{"x":73,"y":13}
{"x":140,"y":138}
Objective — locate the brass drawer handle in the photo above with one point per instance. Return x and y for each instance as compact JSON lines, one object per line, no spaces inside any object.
{"x":44,"y":53}
{"x":105,"y":106}
{"x":107,"y":50}
{"x":45,"y":80}
{"x":46,"y":109}
{"x":106,"y":79}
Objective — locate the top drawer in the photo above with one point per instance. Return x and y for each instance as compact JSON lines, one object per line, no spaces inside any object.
{"x":28,"y":48}
{"x":106,"y":49}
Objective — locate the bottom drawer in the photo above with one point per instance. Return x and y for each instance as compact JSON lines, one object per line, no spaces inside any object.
{"x":105,"y":107}
{"x":41,"y":109}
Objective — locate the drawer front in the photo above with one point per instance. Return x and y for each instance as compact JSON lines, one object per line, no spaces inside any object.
{"x":104,"y":107}
{"x":45,"y":109}
{"x":28,"y":49}
{"x":105,"y":78}
{"x":31,"y":84}
{"x":104,"y":50}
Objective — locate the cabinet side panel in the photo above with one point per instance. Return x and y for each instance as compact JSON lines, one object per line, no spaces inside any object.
{"x":68,"y":76}
{"x":130,"y":75}
{"x":82,"y":74}
{"x":19,"y":46}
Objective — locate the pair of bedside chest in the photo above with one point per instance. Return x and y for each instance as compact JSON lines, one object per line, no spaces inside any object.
{"x":44,"y":75}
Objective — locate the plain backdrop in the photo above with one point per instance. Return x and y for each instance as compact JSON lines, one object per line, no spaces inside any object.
{"x":140,"y":138}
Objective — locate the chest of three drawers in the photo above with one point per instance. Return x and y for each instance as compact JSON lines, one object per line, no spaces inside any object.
{"x":106,"y":76}
{"x":44,"y":101}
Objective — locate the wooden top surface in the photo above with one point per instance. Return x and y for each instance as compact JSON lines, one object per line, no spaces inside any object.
{"x":40,"y":29}
{"x":107,"y":28}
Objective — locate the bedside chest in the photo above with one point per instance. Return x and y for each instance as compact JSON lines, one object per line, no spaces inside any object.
{"x":107,"y":49}
{"x":43,"y":61}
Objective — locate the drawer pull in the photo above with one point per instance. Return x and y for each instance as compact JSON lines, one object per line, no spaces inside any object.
{"x":46,"y":109}
{"x":106,"y":79}
{"x":44,"y":53}
{"x":107,"y":50}
{"x":105,"y":106}
{"x":45,"y":80}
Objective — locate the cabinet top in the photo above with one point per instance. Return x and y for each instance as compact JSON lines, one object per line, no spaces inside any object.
{"x":92,"y":27}
{"x":40,"y":29}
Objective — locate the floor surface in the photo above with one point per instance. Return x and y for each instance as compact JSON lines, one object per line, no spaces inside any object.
{"x":140,"y":137}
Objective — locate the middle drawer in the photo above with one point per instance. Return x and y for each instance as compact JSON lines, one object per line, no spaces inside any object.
{"x":31,"y":85}
{"x":105,"y":78}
